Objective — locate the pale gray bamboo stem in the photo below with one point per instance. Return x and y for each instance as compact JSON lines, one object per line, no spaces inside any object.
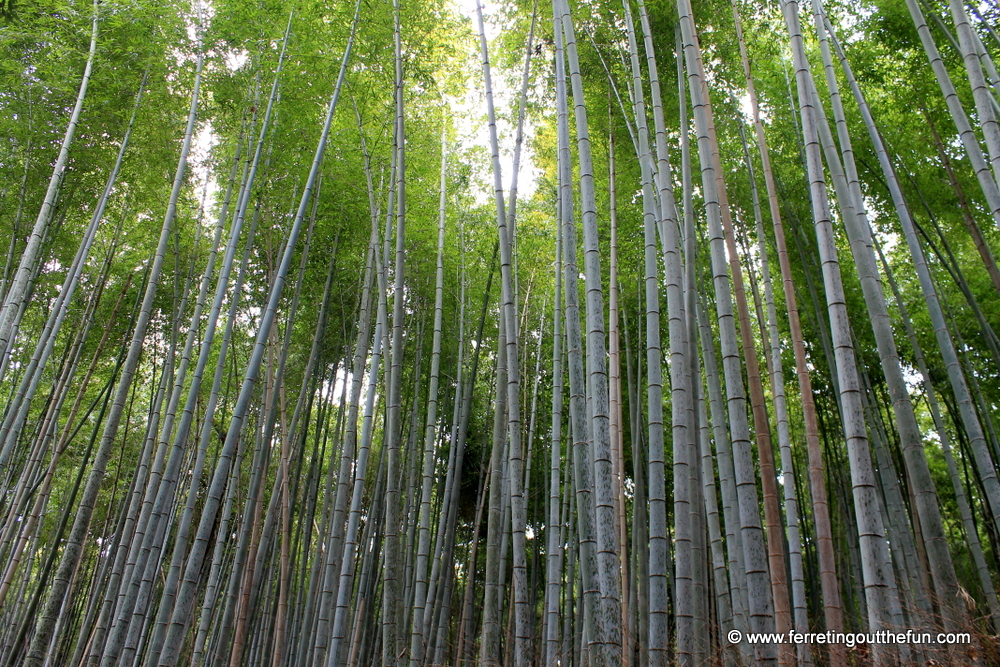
{"x":11,"y":310}
{"x":761,"y":605}
{"x":875,"y":558}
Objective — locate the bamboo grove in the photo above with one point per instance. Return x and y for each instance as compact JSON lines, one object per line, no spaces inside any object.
{"x":293,"y":374}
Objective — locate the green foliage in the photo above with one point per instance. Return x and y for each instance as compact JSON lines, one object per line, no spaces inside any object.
{"x":43,"y":48}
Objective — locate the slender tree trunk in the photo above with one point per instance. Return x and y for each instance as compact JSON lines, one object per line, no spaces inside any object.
{"x":657,"y":580}
{"x":875,"y":558}
{"x":14,"y":296}
{"x":758,"y":580}
{"x":553,"y":530}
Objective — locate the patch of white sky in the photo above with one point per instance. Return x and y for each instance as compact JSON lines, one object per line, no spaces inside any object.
{"x":848,"y":22}
{"x":334,"y":391}
{"x":205,"y":138}
{"x":469,"y":110}
{"x":200,"y":163}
